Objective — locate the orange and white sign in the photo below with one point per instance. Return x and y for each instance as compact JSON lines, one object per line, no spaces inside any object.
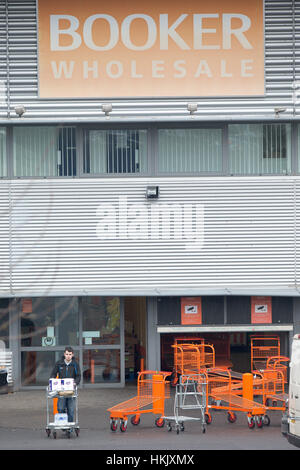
{"x":261,"y":309}
{"x":196,"y":48}
{"x":191,"y":311}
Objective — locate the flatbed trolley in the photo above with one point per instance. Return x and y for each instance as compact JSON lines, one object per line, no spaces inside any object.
{"x":66,"y":427}
{"x":190,"y":394}
{"x":152,"y":389}
{"x":226,"y":393}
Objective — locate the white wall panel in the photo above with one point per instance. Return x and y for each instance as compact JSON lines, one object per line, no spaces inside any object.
{"x":250,"y":243}
{"x":4,"y":238}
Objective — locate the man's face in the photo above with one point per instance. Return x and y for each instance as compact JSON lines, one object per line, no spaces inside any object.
{"x":68,"y":356}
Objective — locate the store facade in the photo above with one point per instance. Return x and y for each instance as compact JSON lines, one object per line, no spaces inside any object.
{"x":149,"y":165}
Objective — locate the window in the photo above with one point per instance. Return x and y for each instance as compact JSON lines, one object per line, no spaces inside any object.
{"x":101,"y":320}
{"x":190,"y":150}
{"x":44,"y":151}
{"x":4,"y":322}
{"x":259,"y":149}
{"x":49,"y":321}
{"x":115,"y":151}
{"x":275,"y":141}
{"x":3,"y":165}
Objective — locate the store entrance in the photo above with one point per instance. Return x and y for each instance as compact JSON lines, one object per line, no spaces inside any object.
{"x":232,"y":350}
{"x":135,"y":320}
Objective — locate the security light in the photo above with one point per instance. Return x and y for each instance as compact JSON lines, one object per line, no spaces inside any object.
{"x":20,"y":110}
{"x":152,"y":192}
{"x":192,"y":107}
{"x":107,"y":108}
{"x":277,"y":111}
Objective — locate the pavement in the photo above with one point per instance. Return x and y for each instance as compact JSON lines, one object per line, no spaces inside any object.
{"x":23,"y":419}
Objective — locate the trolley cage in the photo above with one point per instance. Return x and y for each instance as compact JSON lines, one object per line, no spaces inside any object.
{"x":192,"y":358}
{"x":262,"y":348}
{"x":52,"y":426}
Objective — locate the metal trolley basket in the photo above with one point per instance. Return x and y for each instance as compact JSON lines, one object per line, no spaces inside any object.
{"x":68,"y":427}
{"x":190,"y":394}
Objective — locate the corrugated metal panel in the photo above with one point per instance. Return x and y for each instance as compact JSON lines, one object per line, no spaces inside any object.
{"x":4,"y":238}
{"x":250,"y":235}
{"x":282,"y":39}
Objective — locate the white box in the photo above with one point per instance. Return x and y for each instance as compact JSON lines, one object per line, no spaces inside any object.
{"x":67,"y":384}
{"x":61,"y":418}
{"x":55,"y":385}
{"x":61,"y":385}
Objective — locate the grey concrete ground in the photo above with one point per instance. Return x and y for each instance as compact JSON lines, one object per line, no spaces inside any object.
{"x":23,"y":420}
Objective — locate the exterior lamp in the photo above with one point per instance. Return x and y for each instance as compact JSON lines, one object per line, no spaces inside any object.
{"x":192,"y":107}
{"x":107,"y":108}
{"x":20,"y":110}
{"x":277,"y":111}
{"x":152,"y":192}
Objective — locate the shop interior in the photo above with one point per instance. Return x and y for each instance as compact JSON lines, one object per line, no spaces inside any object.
{"x":135,"y":336}
{"x":232,"y":350}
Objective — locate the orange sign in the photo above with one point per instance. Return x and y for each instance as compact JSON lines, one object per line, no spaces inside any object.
{"x":151,"y":49}
{"x":27,"y":305}
{"x":191,"y":311}
{"x":261,"y":309}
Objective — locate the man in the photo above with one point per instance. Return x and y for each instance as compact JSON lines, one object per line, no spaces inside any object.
{"x":67,"y":367}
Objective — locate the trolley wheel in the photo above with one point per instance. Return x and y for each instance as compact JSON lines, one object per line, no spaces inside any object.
{"x":135,"y":420}
{"x":159,"y":422}
{"x":231,"y":417}
{"x":123,"y":426}
{"x":113,"y":425}
{"x":68,"y":434}
{"x":267,"y":420}
{"x":177,"y":429}
{"x":203,"y":429}
{"x":259,"y":421}
{"x":48,"y":432}
{"x":54,"y":434}
{"x":169,"y":427}
{"x":77,"y":432}
{"x":251,"y":423}
{"x":208,"y":418}
{"x":181,"y":427}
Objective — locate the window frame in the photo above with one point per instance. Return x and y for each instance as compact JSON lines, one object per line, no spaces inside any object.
{"x":182,"y":126}
{"x":85,"y":128}
{"x":152,"y":149}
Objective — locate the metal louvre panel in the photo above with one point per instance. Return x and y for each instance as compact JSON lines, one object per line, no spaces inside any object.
{"x":249,"y":244}
{"x":282,"y":57}
{"x":4,"y":238}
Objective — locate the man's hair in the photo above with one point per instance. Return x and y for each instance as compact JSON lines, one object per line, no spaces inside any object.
{"x":69,"y":349}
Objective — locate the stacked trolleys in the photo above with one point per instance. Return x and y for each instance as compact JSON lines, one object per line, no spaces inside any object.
{"x":66,"y":427}
{"x":190,"y":394}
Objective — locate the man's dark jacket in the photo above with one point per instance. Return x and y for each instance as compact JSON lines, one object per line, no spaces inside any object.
{"x":62,"y":371}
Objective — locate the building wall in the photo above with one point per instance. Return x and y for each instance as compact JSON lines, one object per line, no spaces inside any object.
{"x":103,"y":237}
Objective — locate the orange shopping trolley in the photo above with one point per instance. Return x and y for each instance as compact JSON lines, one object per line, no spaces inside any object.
{"x":191,"y":358}
{"x":231,"y":395}
{"x":262,"y":348}
{"x":152,"y":390}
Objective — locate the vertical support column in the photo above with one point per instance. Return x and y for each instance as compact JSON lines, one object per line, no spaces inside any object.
{"x":153,"y":338}
{"x":15,"y":342}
